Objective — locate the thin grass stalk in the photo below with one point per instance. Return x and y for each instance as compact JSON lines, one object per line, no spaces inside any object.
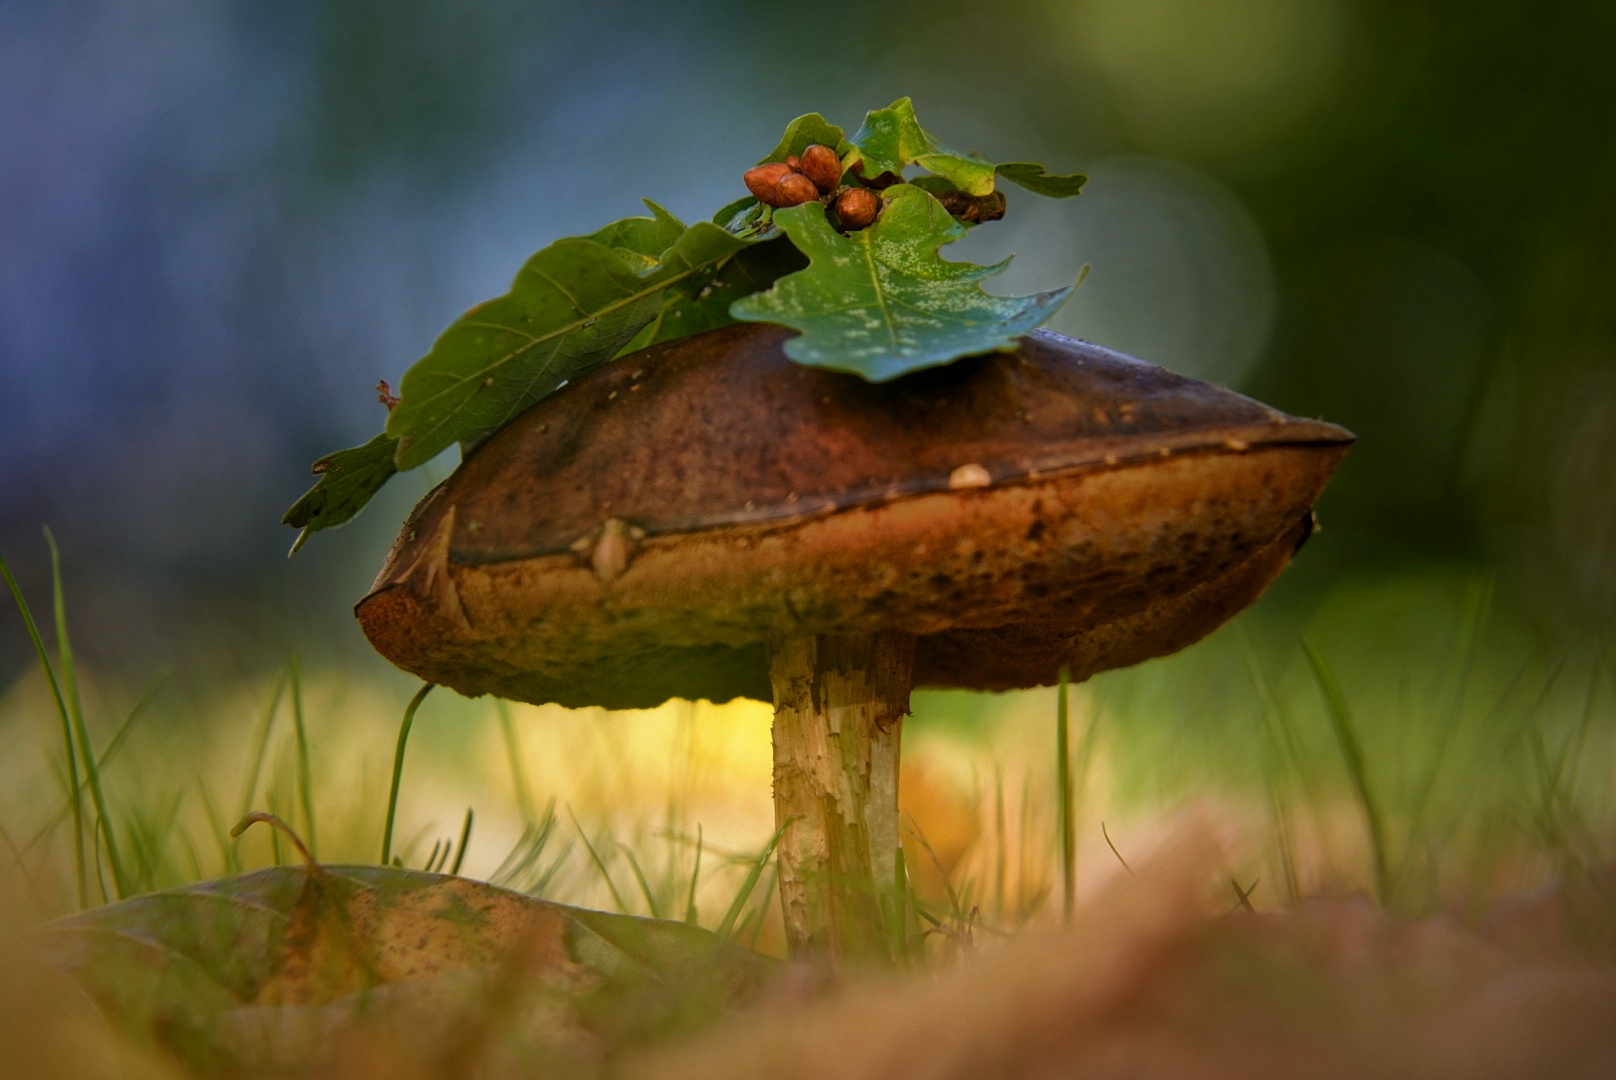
{"x":513,"y":754}
{"x":1001,"y":834}
{"x":22,"y":870}
{"x":1024,"y":829}
{"x":527,"y":849}
{"x":305,"y":777}
{"x":1465,"y":650}
{"x":617,"y":897}
{"x":460,"y":848}
{"x":639,"y":876}
{"x":1281,"y":766}
{"x":762,"y":911}
{"x":103,"y":757}
{"x":255,"y":764}
{"x":64,"y":647}
{"x":274,"y":834}
{"x":197,"y":874}
{"x":541,"y":884}
{"x":726,"y":926}
{"x":95,"y":849}
{"x":1346,"y":734}
{"x":81,"y":875}
{"x":1108,"y":843}
{"x":695,"y":876}
{"x":1080,"y":772}
{"x":1580,"y":740}
{"x":1063,"y":789}
{"x":899,"y":911}
{"x":148,"y":836}
{"x":227,"y":851}
{"x":955,"y":907}
{"x":398,"y":770}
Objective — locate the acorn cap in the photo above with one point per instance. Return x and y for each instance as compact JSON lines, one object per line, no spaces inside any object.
{"x":644,"y":533}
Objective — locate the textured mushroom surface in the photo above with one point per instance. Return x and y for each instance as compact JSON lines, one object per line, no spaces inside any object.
{"x":644,"y":533}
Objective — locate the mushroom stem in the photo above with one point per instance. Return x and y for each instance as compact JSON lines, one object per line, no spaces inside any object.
{"x":839,"y":703}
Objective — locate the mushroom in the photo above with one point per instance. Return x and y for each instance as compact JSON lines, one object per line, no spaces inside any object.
{"x":707,"y":519}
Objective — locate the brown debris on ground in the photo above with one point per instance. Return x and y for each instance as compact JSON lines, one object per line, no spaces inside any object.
{"x":1156,"y":979}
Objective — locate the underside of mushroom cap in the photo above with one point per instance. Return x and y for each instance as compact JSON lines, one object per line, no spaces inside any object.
{"x":645,"y":533}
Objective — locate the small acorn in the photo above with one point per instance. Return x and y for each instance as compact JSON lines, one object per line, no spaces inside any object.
{"x":792,"y":190}
{"x":761,"y":179}
{"x":857,"y":207}
{"x":821,"y":165}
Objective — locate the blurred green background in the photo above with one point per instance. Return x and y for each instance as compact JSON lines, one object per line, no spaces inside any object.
{"x":221,"y":224}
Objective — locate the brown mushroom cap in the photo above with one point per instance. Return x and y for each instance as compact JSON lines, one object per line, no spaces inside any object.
{"x":645,"y":532}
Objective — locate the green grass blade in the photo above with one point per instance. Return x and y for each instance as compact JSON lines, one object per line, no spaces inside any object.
{"x":1024,"y":908}
{"x":527,"y":850}
{"x":100,"y":871}
{"x":1346,"y":734}
{"x":1466,"y":647}
{"x":22,"y":871}
{"x":398,"y":770}
{"x":102,"y":759}
{"x":955,"y":907}
{"x":900,"y":911}
{"x":255,"y":764}
{"x":64,"y":649}
{"x":129,"y":719}
{"x":1108,"y":843}
{"x":541,"y":884}
{"x":513,"y":754}
{"x":617,"y":897}
{"x":70,"y":754}
{"x":695,"y":877}
{"x":305,"y":778}
{"x":762,"y":910}
{"x":727,"y":927}
{"x":1001,"y":835}
{"x":1063,"y":788}
{"x":639,"y":875}
{"x":1282,"y":764}
{"x":460,"y":848}
{"x":229,"y":852}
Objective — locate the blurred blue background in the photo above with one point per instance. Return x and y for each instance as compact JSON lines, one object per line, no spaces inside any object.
{"x":220,"y":224}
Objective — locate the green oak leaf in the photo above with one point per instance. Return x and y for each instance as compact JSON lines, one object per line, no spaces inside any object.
{"x":804,"y":132}
{"x":1031,"y":175}
{"x":750,"y":271}
{"x":571,"y":308}
{"x":348,"y":478}
{"x":737,"y":216}
{"x":892,"y":139}
{"x":583,"y":301}
{"x":642,"y":238}
{"x":882,"y":302}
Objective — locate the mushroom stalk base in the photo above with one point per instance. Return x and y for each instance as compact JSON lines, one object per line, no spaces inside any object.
{"x":839,"y":703}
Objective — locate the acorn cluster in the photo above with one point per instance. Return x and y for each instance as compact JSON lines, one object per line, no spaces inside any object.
{"x":816,"y":174}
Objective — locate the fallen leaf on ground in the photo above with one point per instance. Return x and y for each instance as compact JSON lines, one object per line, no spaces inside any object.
{"x":283,"y":967}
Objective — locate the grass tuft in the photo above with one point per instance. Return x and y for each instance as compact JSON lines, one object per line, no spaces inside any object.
{"x":1346,"y":734}
{"x":305,"y":776}
{"x":69,"y":753}
{"x":398,"y":770}
{"x":726,"y":926}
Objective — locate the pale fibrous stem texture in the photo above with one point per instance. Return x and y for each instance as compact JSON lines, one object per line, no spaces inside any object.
{"x":839,"y":703}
